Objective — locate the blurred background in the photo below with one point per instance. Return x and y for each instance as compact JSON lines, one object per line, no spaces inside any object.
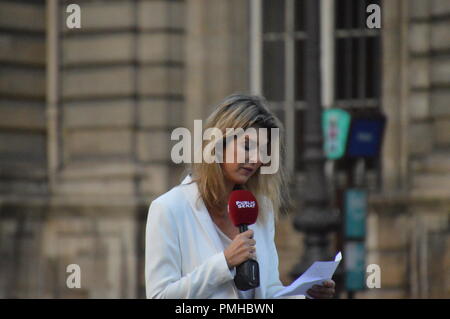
{"x":86,"y":116}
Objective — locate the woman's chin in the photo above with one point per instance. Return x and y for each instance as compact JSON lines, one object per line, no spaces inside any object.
{"x":240,"y":179}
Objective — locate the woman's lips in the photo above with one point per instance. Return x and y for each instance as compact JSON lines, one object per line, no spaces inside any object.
{"x":247,"y":170}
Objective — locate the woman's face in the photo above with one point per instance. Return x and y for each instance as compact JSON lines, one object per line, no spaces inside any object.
{"x":237,"y":171}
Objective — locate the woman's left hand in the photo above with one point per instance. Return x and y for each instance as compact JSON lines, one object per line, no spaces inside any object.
{"x":325,"y":291}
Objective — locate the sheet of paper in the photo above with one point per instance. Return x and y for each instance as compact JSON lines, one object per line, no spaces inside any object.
{"x":318,"y":272}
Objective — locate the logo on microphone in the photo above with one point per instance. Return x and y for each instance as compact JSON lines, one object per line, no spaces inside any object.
{"x":245,"y":204}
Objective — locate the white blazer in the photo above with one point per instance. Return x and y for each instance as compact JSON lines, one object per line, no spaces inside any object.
{"x":184,"y":255}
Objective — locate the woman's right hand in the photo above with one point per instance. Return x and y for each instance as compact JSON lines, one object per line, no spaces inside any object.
{"x":241,"y":249}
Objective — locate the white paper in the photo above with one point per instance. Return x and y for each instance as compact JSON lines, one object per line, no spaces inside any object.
{"x":317,"y":273}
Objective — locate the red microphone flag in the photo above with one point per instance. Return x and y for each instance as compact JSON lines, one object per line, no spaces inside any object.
{"x":242,"y":207}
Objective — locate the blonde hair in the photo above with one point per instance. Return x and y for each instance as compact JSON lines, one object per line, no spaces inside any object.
{"x":243,"y":111}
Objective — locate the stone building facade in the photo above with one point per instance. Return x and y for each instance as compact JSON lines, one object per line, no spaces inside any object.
{"x":85,"y":122}
{"x":409,"y":223}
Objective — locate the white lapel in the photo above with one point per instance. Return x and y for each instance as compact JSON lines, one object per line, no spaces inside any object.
{"x":201,"y":212}
{"x":260,"y":251}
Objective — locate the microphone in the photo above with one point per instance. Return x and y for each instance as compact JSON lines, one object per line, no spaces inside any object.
{"x":243,"y":211}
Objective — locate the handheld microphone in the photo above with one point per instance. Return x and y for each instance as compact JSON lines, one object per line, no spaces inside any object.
{"x":243,"y":210}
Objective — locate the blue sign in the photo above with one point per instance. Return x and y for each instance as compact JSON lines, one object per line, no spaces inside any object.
{"x":355,"y":271}
{"x":355,"y":209}
{"x":365,"y":137}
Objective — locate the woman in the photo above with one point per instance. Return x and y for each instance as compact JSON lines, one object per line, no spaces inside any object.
{"x":192,"y":247}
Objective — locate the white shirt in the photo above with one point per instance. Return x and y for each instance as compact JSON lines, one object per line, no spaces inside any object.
{"x":226,"y":241}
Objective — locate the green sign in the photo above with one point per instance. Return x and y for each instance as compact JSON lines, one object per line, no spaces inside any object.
{"x":335,"y":125}
{"x":355,"y":206}
{"x":355,"y":271}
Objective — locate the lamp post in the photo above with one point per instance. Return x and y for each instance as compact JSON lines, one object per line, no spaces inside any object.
{"x":317,"y":219}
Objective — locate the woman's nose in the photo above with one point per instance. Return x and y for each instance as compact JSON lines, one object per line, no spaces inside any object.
{"x":253,"y":158}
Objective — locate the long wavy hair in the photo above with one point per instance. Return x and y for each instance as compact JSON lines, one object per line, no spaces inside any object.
{"x":243,"y":111}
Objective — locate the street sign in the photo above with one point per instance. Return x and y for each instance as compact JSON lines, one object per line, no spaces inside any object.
{"x":335,"y":125}
{"x":355,"y":207}
{"x":354,"y":266}
{"x":365,"y":136}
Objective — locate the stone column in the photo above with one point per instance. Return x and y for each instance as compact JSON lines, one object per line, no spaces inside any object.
{"x":316,"y":220}
{"x":217,"y":53}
